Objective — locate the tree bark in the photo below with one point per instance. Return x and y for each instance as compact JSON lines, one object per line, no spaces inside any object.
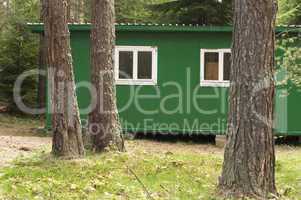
{"x":69,"y":11}
{"x":66,"y":126}
{"x":42,"y":68}
{"x":7,"y":5}
{"x":75,"y":11}
{"x":249,"y":165}
{"x":42,"y":63}
{"x":104,"y":125}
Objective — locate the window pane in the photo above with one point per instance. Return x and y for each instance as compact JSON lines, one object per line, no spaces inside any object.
{"x":125,"y":64}
{"x":227,"y":65}
{"x":211,"y":66}
{"x":144,"y":65}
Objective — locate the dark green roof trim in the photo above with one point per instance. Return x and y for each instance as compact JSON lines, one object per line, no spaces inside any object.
{"x":38,"y":27}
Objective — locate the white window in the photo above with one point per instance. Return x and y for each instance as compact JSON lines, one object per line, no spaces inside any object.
{"x":136,"y":65}
{"x":215,"y":67}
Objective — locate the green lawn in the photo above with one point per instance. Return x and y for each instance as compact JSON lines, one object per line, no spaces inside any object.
{"x":167,"y":174}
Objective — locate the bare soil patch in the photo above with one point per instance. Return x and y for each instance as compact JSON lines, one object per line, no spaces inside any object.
{"x":169,"y":147}
{"x":12,"y":147}
{"x":19,"y":137}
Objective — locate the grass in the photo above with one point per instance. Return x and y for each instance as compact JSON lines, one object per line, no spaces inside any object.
{"x":21,"y":125}
{"x":19,"y":120}
{"x":181,"y":175}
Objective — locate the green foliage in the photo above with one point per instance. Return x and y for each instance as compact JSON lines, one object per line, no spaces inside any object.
{"x":19,"y":121}
{"x":80,"y":11}
{"x":288,"y":45}
{"x":184,"y":175}
{"x":289,"y":59}
{"x":208,"y":12}
{"x":18,"y":52}
{"x":136,"y":11}
{"x":289,"y":12}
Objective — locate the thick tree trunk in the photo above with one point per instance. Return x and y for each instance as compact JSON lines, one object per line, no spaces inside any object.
{"x":249,"y":166}
{"x":66,"y":127}
{"x":104,"y":123}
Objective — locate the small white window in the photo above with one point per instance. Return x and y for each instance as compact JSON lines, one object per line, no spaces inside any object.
{"x":215,"y":67}
{"x":136,"y":65}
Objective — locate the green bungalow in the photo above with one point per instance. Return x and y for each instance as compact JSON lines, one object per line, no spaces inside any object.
{"x":174,"y":78}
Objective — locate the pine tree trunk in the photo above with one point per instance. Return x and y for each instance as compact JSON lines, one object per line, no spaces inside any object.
{"x":69,"y":11}
{"x":66,"y":127}
{"x":104,"y":123}
{"x":77,"y":11}
{"x":86,"y":11}
{"x":6,"y":8}
{"x":7,"y":3}
{"x":249,"y":165}
{"x":42,"y":68}
{"x":42,"y":63}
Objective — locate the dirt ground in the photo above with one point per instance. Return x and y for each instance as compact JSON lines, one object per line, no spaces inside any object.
{"x":12,"y":147}
{"x":21,"y":138}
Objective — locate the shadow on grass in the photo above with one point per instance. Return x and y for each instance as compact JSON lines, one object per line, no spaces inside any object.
{"x":174,"y":138}
{"x":288,"y":140}
{"x":201,"y":139}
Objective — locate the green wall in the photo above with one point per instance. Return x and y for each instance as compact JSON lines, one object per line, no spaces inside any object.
{"x":178,"y":54}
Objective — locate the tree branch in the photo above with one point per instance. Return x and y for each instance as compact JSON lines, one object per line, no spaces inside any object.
{"x":142,"y":184}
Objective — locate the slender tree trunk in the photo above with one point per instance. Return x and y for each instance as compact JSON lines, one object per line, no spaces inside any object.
{"x":42,"y":68}
{"x":103,"y":120}
{"x":3,"y":16}
{"x":86,"y":11}
{"x":77,"y":11}
{"x":249,"y":165}
{"x":69,"y":11}
{"x":7,"y":4}
{"x":66,"y":127}
{"x":42,"y":63}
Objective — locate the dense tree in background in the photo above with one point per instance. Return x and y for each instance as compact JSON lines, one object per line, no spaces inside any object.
{"x":18,"y":51}
{"x":104,"y":123}
{"x":289,"y":12}
{"x":137,"y":11}
{"x":204,"y":12}
{"x":289,"y":63}
{"x":66,"y":126}
{"x":18,"y":55}
{"x":78,"y":11}
{"x":3,"y":14}
{"x":249,"y":162}
{"x":290,"y":60}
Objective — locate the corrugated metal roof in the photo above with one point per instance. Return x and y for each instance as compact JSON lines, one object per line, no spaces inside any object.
{"x":149,"y":27}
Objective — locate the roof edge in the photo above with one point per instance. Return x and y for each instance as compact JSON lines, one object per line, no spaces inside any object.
{"x":138,"y":27}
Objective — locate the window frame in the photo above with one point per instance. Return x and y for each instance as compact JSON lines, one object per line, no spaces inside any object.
{"x":135,"y":80}
{"x":214,"y":83}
